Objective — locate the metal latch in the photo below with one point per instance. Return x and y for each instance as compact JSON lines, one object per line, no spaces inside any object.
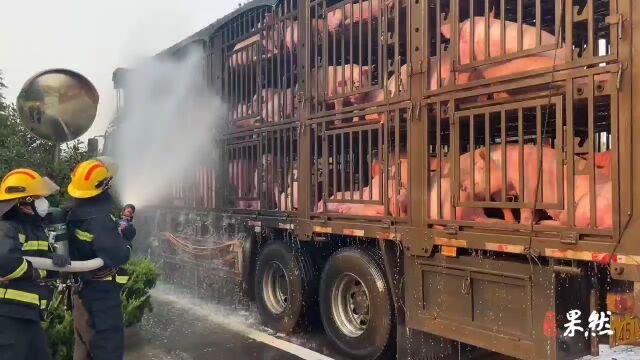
{"x":300,"y":98}
{"x":621,"y":67}
{"x":616,"y":19}
{"x":466,"y":285}
{"x":452,"y":229}
{"x":569,"y":238}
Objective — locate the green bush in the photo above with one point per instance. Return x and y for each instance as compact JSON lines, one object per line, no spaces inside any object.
{"x":136,"y":301}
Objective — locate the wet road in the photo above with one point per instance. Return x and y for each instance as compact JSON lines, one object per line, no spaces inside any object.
{"x":198,"y":331}
{"x":185,"y":328}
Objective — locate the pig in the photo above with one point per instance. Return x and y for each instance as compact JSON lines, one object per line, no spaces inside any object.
{"x":398,"y":201}
{"x":371,"y":192}
{"x":362,"y":11}
{"x":246,"y":51}
{"x":393,"y":88}
{"x":603,"y":162}
{"x":340,"y":80}
{"x":273,"y":104}
{"x":582,"y":198}
{"x":462,"y":213}
{"x":530,"y":63}
{"x":495,"y":39}
{"x":604,"y":208}
{"x":548,"y":182}
{"x":527,"y":63}
{"x":291,"y":32}
{"x":243,"y":111}
{"x":237,"y":170}
{"x":286,"y":200}
{"x":531,"y":175}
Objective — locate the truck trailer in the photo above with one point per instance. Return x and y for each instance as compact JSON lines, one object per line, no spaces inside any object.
{"x":418,"y":173}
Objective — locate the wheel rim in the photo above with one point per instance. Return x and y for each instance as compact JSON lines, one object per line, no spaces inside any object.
{"x":350,"y":305}
{"x":275,"y":288}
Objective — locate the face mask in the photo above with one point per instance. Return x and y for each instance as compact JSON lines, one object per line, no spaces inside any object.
{"x":42,"y":206}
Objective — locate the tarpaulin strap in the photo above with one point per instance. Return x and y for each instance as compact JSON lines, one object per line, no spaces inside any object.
{"x":21,"y":296}
{"x":84,"y":236}
{"x":36,"y":245}
{"x":19,"y":271}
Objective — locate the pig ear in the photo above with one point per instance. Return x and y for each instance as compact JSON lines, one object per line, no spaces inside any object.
{"x":445,"y":29}
{"x":492,"y":14}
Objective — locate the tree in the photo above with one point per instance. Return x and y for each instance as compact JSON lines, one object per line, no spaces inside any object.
{"x":21,"y":149}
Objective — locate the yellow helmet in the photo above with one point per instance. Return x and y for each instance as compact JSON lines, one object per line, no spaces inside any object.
{"x":23,"y":183}
{"x":90,"y":178}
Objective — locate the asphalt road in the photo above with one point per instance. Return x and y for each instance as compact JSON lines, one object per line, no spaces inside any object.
{"x":193,"y":330}
{"x":184,"y":328}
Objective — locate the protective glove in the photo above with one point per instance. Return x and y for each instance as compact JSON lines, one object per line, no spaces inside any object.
{"x":128,"y":233}
{"x":60,"y":260}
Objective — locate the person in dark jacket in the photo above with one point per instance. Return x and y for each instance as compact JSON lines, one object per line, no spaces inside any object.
{"x":23,"y":205}
{"x":97,"y":310}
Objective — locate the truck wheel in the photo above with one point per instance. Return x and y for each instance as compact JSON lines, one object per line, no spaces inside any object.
{"x":284,"y":285}
{"x":355,"y":303}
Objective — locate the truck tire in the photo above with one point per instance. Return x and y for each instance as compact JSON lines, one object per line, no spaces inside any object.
{"x":355,"y":303}
{"x":284,"y":285}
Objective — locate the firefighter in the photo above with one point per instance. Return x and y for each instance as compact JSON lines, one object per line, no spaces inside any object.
{"x":97,"y":310}
{"x":23,"y":205}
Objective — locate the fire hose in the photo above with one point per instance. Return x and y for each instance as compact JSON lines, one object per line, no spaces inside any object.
{"x":58,"y":239}
{"x":76,"y":266}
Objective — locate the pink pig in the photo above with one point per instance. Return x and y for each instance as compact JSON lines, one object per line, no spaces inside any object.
{"x":273,"y":103}
{"x":340,"y":80}
{"x":238,"y":169}
{"x":461,"y":213}
{"x":548,"y":183}
{"x":361,"y":11}
{"x":582,"y":198}
{"x":495,"y":39}
{"x":398,"y":200}
{"x":291,"y":195}
{"x":531,"y":175}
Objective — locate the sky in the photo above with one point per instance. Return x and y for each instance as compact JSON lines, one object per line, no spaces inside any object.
{"x":93,"y":38}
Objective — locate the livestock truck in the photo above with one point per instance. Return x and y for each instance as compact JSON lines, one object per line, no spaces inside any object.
{"x":422,"y":173}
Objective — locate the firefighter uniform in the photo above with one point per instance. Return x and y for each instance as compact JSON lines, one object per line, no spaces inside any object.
{"x":22,"y":297}
{"x":97,"y":309}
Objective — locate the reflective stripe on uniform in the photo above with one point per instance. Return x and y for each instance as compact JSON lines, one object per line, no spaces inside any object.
{"x":19,"y":271}
{"x":119,"y":279}
{"x":36,"y":246}
{"x":43,"y":273}
{"x":43,"y":304}
{"x":22,"y":238}
{"x":84,"y":236}
{"x":17,"y":295}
